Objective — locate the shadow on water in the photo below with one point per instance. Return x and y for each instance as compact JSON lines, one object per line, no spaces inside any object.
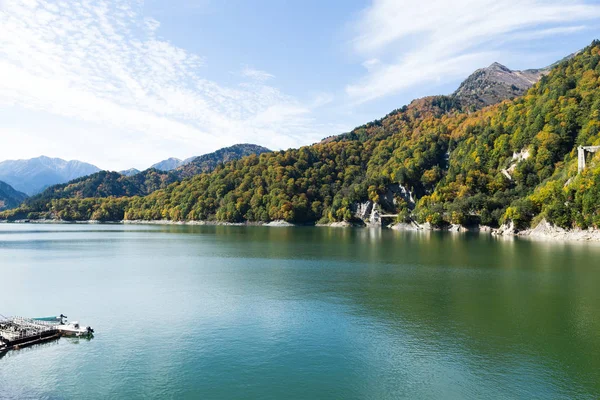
{"x":30,"y":348}
{"x":46,"y":344}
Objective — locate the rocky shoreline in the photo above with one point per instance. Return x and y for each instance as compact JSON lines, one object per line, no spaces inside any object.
{"x":547,"y":231}
{"x":543,"y":231}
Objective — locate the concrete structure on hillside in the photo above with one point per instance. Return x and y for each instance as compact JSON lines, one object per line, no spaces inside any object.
{"x":581,"y":152}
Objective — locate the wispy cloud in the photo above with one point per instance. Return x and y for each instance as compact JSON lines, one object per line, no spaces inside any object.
{"x":104,"y":63}
{"x":256,"y":74}
{"x":441,"y":39}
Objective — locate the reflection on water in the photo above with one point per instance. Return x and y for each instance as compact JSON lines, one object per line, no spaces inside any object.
{"x":257,"y":312}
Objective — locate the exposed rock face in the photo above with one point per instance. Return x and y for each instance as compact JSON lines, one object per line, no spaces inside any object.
{"x":524,"y":154}
{"x":388,"y":199}
{"x":362,"y":210}
{"x":278,"y":223}
{"x":547,"y":231}
{"x":340,"y":224}
{"x":495,"y":83}
{"x":370,"y":212}
{"x":406,"y":226}
{"x":505,"y":230}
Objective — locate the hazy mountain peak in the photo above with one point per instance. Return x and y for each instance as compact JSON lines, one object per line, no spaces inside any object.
{"x":168,"y":164}
{"x":129,"y":172}
{"x":33,"y":175}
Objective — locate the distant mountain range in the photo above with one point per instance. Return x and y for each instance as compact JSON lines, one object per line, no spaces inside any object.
{"x":34,"y":175}
{"x":484,"y":87}
{"x":9,"y":197}
{"x":442,"y":161}
{"x":127,"y":183}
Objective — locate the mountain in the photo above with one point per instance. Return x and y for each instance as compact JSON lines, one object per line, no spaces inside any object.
{"x":168,"y":164}
{"x":114,"y":184}
{"x":9,"y":197}
{"x":105,"y":184}
{"x":496,"y":83}
{"x":129,"y":172}
{"x":208,"y":162}
{"x":484,"y":87}
{"x":514,"y":163}
{"x":33,"y":175}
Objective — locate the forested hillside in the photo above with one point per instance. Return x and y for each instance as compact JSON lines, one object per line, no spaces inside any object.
{"x":135,"y":183}
{"x":514,"y":161}
{"x":209,"y":162}
{"x":9,"y":197}
{"x":105,"y":184}
{"x":534,"y":140}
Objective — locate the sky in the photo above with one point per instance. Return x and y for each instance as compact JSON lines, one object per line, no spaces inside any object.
{"x":124,"y":84}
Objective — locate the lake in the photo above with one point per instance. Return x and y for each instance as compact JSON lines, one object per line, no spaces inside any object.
{"x":227,"y":312}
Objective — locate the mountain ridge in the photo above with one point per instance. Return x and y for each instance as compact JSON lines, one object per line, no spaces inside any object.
{"x":33,"y":175}
{"x":110,"y":184}
{"x":495,"y":83}
{"x":513,"y":163}
{"x":9,"y":197}
{"x":482,"y":88}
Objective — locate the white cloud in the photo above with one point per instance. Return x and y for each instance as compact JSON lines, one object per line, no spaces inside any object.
{"x":441,"y":39}
{"x":256,"y":74}
{"x":102,"y":63}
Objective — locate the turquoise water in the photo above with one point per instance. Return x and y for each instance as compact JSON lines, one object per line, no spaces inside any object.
{"x":301,"y":313}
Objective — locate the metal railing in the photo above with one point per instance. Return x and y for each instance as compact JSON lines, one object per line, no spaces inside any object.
{"x":17,"y":328}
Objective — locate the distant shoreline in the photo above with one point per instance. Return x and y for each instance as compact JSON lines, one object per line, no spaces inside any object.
{"x":543,"y":231}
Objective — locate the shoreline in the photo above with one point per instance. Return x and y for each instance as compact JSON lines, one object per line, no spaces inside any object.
{"x":543,"y":231}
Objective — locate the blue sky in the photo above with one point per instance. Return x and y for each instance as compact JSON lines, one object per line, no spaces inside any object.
{"x":127,"y":83}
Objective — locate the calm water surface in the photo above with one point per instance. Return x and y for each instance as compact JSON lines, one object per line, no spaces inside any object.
{"x":301,"y":313}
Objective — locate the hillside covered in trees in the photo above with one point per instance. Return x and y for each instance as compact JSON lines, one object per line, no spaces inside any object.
{"x":9,"y":197}
{"x":513,"y":161}
{"x":105,"y":184}
{"x":209,"y":162}
{"x":128,"y":184}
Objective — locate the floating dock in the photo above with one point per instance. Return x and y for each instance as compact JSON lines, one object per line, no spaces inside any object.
{"x":18,"y":332}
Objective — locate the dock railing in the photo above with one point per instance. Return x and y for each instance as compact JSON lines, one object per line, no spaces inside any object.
{"x":18,"y":328}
